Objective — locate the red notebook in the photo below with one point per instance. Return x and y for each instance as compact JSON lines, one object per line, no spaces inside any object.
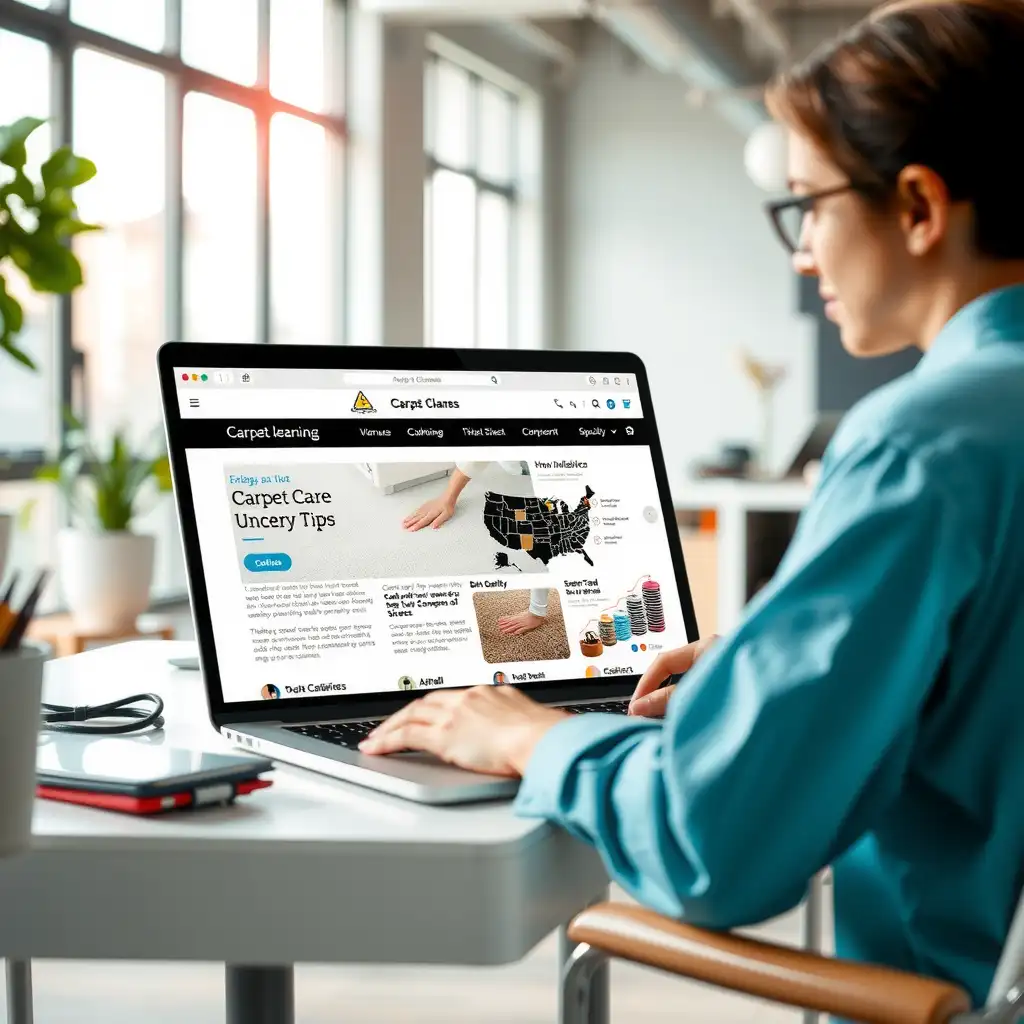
{"x":200,"y":796}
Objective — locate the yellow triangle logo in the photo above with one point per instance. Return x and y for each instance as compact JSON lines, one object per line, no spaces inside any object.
{"x":362,"y":402}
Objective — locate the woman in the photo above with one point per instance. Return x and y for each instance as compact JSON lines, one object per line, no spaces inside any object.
{"x":867,"y":711}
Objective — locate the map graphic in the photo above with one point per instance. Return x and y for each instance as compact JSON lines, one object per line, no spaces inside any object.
{"x":542,"y":527}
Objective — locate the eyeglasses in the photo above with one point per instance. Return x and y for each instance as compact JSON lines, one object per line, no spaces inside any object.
{"x":787,"y":215}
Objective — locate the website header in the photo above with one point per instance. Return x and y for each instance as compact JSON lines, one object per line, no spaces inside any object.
{"x":418,"y":403}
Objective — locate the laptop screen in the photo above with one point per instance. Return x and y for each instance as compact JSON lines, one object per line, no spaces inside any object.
{"x":372,"y":532}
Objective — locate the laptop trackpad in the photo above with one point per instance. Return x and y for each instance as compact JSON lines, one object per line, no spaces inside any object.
{"x":417,"y":757}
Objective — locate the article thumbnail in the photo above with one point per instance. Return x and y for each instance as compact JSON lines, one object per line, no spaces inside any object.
{"x":521,"y":625}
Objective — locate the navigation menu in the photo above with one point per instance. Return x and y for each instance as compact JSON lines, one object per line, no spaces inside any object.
{"x":290,"y":433}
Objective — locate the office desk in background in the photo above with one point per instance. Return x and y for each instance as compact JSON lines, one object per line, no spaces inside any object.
{"x":753,"y":525}
{"x":311,"y":870}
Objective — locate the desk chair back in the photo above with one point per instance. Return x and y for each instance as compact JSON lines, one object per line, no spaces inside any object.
{"x":781,"y":974}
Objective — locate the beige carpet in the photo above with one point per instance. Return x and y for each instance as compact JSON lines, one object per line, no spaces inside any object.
{"x":547,"y":643}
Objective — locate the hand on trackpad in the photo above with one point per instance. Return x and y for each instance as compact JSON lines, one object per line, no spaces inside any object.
{"x":417,"y":756}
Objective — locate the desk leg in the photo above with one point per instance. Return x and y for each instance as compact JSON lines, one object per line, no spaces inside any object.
{"x":259,"y":995}
{"x":812,"y":928}
{"x":19,"y":992}
{"x":599,"y":994}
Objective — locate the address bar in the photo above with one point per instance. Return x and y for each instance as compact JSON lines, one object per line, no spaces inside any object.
{"x":422,"y":380}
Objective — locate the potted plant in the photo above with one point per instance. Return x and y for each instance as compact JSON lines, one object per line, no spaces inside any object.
{"x":37,"y":221}
{"x":105,"y":568}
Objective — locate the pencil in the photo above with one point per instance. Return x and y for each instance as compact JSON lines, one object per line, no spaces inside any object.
{"x":17,"y":632}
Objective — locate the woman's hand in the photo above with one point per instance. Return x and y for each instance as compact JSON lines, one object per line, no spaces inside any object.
{"x":435,"y":512}
{"x":438,"y":511}
{"x":491,"y":729}
{"x":648,"y":700}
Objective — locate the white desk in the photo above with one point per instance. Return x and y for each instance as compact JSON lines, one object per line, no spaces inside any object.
{"x":310,"y":870}
{"x":751,"y":533}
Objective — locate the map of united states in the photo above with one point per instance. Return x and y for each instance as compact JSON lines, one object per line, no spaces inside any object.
{"x":542,"y":527}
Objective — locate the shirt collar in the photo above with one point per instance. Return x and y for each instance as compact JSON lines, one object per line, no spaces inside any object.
{"x":993,"y":317}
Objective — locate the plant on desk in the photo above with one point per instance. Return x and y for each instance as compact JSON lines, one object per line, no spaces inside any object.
{"x":37,"y":221}
{"x":766,"y":379}
{"x":104,"y":567}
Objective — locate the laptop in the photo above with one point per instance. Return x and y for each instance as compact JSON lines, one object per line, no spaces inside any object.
{"x":548,"y":556}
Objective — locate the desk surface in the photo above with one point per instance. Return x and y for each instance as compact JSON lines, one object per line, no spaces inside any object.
{"x":752,"y":495}
{"x":311,"y":870}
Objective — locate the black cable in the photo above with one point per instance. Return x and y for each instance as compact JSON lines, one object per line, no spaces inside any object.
{"x":58,"y":718}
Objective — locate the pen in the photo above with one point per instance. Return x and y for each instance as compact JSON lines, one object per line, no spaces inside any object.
{"x":9,"y":592}
{"x":7,"y":620}
{"x":15,"y":634}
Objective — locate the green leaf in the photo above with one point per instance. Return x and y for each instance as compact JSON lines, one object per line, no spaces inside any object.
{"x":21,"y":186}
{"x":48,"y":265}
{"x":12,"y":141}
{"x":68,"y":226}
{"x":11,"y":316}
{"x":11,"y":319}
{"x":65,"y":170}
{"x":17,"y":354}
{"x":55,"y":206}
{"x":49,"y":473}
{"x":25,"y":515}
{"x":72,"y":422}
{"x":161,"y":470}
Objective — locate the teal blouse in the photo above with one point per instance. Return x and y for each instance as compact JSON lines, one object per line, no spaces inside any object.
{"x":868,"y":711}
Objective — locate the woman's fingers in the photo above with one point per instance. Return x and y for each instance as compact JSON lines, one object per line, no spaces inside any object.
{"x":670,"y":663}
{"x":654,"y":705}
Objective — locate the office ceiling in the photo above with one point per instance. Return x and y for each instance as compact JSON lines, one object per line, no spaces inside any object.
{"x":723,"y":50}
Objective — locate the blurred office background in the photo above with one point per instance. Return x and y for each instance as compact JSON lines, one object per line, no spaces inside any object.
{"x":492,"y":173}
{"x":502,"y":173}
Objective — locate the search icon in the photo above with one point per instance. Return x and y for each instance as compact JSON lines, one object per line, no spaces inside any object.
{"x":595,"y":403}
{"x":494,"y":380}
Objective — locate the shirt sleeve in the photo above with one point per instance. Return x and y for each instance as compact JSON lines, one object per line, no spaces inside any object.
{"x":786,"y":739}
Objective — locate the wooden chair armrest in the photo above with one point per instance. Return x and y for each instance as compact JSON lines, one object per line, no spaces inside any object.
{"x":878,"y":995}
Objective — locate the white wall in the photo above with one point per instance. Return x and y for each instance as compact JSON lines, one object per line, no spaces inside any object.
{"x":666,"y":252}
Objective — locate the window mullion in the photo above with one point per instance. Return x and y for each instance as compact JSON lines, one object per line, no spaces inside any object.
{"x":172,"y":27}
{"x":174,"y":204}
{"x":263,"y":44}
{"x":474,"y":169}
{"x":263,"y":281}
{"x":69,"y":363}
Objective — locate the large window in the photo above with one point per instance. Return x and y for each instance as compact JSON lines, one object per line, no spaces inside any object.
{"x":217,"y":128}
{"x":473,"y":208}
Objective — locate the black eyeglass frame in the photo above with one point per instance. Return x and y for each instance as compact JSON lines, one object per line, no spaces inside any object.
{"x":777,"y":207}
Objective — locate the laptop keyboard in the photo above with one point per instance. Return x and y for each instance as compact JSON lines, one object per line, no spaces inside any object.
{"x":351,"y":734}
{"x":341,"y":734}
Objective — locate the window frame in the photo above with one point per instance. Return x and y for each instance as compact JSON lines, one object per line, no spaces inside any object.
{"x":511,"y":191}
{"x":54,"y":27}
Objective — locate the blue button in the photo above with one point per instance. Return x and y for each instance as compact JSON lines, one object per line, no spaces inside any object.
{"x":268,"y":563}
{"x":610,"y":403}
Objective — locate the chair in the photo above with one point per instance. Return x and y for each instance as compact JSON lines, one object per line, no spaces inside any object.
{"x":801,"y":978}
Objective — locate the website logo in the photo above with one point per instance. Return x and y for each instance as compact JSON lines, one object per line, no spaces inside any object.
{"x":362,"y":404}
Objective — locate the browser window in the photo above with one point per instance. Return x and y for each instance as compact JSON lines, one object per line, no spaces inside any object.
{"x":367,"y":532}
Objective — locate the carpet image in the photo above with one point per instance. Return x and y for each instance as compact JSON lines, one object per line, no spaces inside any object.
{"x":548,"y":642}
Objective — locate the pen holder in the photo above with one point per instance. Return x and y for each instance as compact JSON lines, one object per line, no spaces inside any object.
{"x":21,"y":684}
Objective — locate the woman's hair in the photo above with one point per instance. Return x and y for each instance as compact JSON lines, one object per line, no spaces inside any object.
{"x":938,"y":83}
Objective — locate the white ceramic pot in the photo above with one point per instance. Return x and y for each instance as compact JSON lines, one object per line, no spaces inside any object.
{"x":21,"y":681}
{"x":105,"y":577}
{"x":6,"y":529}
